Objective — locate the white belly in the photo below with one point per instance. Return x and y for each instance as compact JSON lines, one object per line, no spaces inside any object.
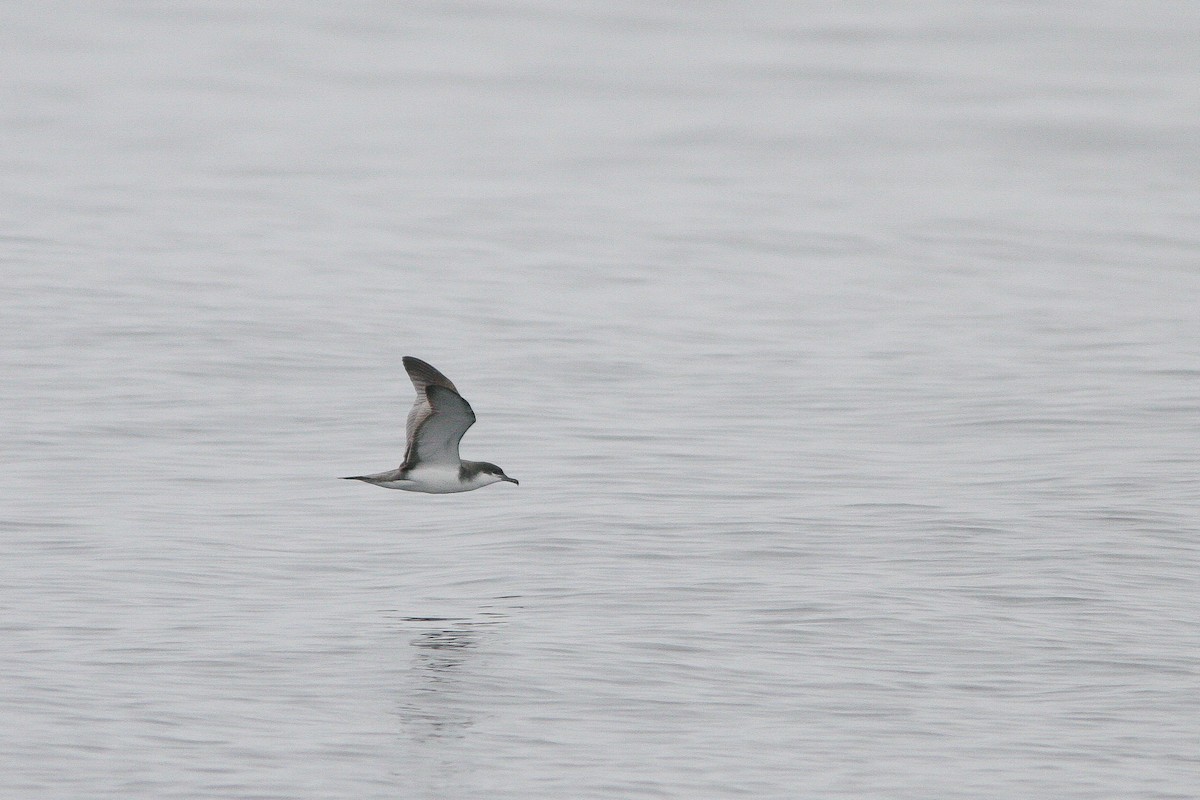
{"x":436,"y":480}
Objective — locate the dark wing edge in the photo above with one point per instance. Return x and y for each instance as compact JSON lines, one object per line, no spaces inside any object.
{"x":423,"y":374}
{"x":453,"y":405}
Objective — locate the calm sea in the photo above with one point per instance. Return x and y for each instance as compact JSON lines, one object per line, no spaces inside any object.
{"x":848,"y":356}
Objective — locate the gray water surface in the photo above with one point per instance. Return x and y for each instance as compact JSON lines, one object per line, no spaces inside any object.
{"x":848,"y":357}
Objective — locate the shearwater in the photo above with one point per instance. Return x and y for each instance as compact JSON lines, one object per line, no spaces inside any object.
{"x":436,"y":424}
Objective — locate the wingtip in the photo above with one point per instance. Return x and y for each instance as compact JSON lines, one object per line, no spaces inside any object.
{"x":423,"y":374}
{"x":413,"y":363}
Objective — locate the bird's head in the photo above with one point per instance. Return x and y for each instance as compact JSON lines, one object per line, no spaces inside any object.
{"x":495,"y":472}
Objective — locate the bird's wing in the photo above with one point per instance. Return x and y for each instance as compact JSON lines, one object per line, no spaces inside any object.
{"x":436,"y":438}
{"x":422,"y":375}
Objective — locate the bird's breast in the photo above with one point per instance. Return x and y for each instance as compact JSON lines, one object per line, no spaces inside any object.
{"x":434,"y":479}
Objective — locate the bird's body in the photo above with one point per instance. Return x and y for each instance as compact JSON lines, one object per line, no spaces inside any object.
{"x":433,"y":480}
{"x":438,"y":419}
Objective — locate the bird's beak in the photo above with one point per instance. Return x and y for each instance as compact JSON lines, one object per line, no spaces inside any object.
{"x":510,"y":480}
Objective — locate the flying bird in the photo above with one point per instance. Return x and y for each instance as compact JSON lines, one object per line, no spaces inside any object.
{"x":436,"y":424}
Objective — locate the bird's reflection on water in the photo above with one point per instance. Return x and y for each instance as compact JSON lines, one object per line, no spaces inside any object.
{"x":439,"y":653}
{"x":436,"y":699}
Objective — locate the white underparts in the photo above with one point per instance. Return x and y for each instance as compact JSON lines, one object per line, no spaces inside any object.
{"x":438,"y":480}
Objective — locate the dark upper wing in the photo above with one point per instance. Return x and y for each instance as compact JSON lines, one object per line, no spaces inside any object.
{"x":422,"y":375}
{"x":436,"y":438}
